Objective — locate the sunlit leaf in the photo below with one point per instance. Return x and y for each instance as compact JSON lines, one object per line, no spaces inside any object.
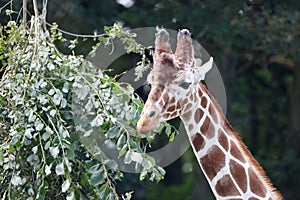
{"x":59,"y":169}
{"x":66,"y":185}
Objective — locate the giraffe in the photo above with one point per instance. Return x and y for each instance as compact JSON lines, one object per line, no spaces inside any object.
{"x":177,"y":90}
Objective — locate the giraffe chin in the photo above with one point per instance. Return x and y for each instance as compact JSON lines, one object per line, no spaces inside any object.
{"x":146,"y":125}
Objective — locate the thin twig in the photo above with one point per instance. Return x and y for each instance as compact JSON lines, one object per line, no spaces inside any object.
{"x":24,"y":12}
{"x":78,"y":35}
{"x":10,"y":2}
{"x":44,"y":14}
{"x":35,"y":23}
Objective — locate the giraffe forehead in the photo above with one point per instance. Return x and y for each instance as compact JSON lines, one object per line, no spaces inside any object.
{"x":162,"y":74}
{"x":156,"y":92}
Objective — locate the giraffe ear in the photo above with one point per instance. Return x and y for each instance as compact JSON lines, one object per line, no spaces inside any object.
{"x":184,"y":53}
{"x":201,"y":71}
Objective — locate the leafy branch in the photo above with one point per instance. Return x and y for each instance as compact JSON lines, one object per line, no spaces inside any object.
{"x":54,"y":110}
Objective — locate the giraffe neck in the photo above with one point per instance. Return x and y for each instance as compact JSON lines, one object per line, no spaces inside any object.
{"x":231,"y":170}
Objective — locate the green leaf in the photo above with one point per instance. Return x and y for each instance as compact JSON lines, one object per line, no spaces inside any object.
{"x":93,"y":168}
{"x":81,"y":92}
{"x":52,"y":113}
{"x":16,"y":180}
{"x":127,"y":158}
{"x":56,"y":99}
{"x":97,"y":121}
{"x":172,"y":136}
{"x":128,"y":195}
{"x":110,"y":197}
{"x":123,"y":150}
{"x":103,"y":191}
{"x":65,"y":186}
{"x":50,"y":66}
{"x":161,"y":171}
{"x":97,"y":178}
{"x":70,"y":196}
{"x":63,"y":103}
{"x":70,"y":154}
{"x":46,"y":136}
{"x":65,"y":88}
{"x":54,"y":151}
{"x":168,"y":130}
{"x":143,"y":175}
{"x":113,"y":132}
{"x":48,"y":169}
{"x":39,"y":125}
{"x":51,"y":92}
{"x":147,"y":164}
{"x":113,"y":165}
{"x":134,"y":145}
{"x":136,"y":157}
{"x":28,"y":133}
{"x":59,"y":169}
{"x":121,"y":141}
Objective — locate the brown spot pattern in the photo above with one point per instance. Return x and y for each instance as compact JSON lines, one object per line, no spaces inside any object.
{"x":166,"y":97}
{"x":226,"y":187}
{"x":203,"y":102}
{"x":156,"y":93}
{"x":223,"y":140}
{"x":256,"y":185}
{"x":172,"y":100}
{"x":200,"y":92}
{"x":198,"y":142}
{"x":195,"y":97}
{"x":191,"y":97}
{"x":166,"y":116}
{"x":191,"y":127}
{"x":239,"y":175}
{"x":213,"y":162}
{"x":187,"y":116}
{"x":182,"y":103}
{"x":174,"y":114}
{"x":161,"y":103}
{"x":171,"y":108}
{"x":213,"y":113}
{"x":207,"y":128}
{"x":235,"y":152}
{"x":198,"y":115}
{"x":187,"y":107}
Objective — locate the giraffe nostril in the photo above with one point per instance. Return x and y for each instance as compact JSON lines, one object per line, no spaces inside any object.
{"x":151,"y":114}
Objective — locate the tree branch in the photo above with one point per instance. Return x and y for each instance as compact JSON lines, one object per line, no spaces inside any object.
{"x":24,"y":12}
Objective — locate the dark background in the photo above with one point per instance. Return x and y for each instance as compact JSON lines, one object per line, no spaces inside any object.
{"x":255,"y":45}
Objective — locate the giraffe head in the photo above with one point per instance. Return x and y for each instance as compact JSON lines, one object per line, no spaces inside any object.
{"x":173,"y":79}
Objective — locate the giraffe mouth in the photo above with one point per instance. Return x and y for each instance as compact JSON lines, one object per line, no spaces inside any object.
{"x":148,"y":122}
{"x":146,"y":125}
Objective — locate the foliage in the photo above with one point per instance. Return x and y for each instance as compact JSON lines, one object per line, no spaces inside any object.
{"x":177,"y":191}
{"x":54,"y":108}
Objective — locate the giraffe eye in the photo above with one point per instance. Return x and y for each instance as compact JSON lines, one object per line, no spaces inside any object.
{"x":184,"y":85}
{"x":151,"y":114}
